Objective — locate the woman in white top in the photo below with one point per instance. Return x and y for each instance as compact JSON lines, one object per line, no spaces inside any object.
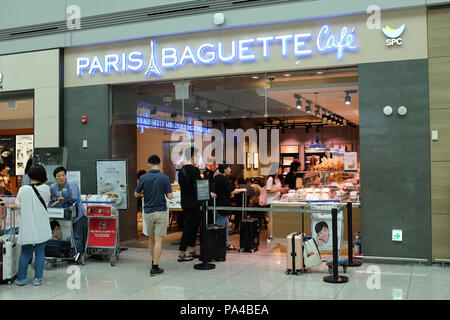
{"x":274,"y":190}
{"x":34,"y":228}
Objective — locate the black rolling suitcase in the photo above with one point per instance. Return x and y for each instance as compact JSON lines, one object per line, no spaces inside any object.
{"x":249,"y":232}
{"x":216,"y":241}
{"x":57,"y":249}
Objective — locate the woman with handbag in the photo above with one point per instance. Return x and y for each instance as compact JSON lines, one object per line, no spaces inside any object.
{"x":34,"y":224}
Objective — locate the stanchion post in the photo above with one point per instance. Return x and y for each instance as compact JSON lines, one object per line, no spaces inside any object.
{"x":205,"y":265}
{"x":351,"y":263}
{"x":335,"y":278}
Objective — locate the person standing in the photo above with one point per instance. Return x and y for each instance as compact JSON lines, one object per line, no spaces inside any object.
{"x":35,"y":228}
{"x":187,"y":178}
{"x":274,"y":190}
{"x":64,"y":190}
{"x":225,"y":192}
{"x":156,"y":186}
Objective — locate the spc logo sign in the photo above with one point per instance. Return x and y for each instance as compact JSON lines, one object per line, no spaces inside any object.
{"x":394,"y":35}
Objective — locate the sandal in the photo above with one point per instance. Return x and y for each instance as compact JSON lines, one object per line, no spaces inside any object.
{"x":230,"y":247}
{"x":194,"y":254}
{"x":185,"y":258}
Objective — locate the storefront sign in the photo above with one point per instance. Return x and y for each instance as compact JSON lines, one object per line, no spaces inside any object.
{"x":303,"y":45}
{"x":102,"y":233}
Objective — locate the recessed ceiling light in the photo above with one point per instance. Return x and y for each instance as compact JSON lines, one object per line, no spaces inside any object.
{"x":255,"y":77}
{"x":287,"y":74}
{"x":319,"y":72}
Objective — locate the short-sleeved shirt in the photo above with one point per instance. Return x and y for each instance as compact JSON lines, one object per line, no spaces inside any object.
{"x":69,"y":190}
{"x":155,"y":185}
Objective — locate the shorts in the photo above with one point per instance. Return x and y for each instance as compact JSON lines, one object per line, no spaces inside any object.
{"x":157,"y":223}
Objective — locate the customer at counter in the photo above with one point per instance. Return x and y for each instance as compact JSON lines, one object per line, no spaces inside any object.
{"x":274,"y":190}
{"x":64,"y":190}
{"x":224,"y":191}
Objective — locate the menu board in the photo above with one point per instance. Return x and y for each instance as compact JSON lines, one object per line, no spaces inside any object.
{"x":112,"y":181}
{"x":7,"y":152}
{"x":24,"y":151}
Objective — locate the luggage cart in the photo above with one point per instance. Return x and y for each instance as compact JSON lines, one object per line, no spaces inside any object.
{"x":103,"y":229}
{"x":64,"y":217}
{"x":326,"y":206}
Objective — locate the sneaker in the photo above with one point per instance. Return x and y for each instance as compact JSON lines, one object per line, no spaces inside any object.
{"x":38,"y":282}
{"x":156,"y":271}
{"x":20,"y":283}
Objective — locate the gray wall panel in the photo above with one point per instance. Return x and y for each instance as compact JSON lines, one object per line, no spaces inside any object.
{"x":92,"y":101}
{"x":395,"y":159}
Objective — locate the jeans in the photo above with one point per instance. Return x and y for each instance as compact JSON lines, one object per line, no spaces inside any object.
{"x":26,"y":256}
{"x":223,"y":221}
{"x":79,"y":234}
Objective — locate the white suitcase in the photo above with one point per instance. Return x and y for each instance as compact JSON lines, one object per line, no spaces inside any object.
{"x":10,"y":252}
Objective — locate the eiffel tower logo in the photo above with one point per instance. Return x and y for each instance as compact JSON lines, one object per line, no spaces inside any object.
{"x":153,"y":65}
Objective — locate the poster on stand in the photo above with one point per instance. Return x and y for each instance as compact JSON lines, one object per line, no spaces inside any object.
{"x":8,"y":152}
{"x":321,"y":230}
{"x":112,"y":181}
{"x":74,"y":176}
{"x":24,"y":151}
{"x":350,"y":161}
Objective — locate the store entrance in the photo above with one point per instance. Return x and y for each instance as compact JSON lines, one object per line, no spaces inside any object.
{"x":16,"y":138}
{"x":315,"y":114}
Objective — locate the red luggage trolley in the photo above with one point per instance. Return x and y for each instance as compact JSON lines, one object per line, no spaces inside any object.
{"x":103,"y":229}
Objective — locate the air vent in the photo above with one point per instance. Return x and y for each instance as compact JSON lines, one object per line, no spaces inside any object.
{"x":139,"y":15}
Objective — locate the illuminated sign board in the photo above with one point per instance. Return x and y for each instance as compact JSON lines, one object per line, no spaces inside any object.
{"x":146,"y":122}
{"x":302,"y":45}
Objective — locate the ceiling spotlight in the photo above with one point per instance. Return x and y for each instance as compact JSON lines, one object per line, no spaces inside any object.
{"x":317,"y":113}
{"x":287,"y":74}
{"x":255,"y":77}
{"x":308,"y":107}
{"x":197,"y":103}
{"x":299,"y":102}
{"x":348,"y":99}
{"x":227,"y":112}
{"x":153,"y":111}
{"x":173,"y":114}
{"x":209,"y":108}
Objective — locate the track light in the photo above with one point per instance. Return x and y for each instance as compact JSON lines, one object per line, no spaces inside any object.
{"x":197,"y":103}
{"x":308,"y":107}
{"x":317,"y":113}
{"x":209,"y":108}
{"x":153,"y":111}
{"x":348,"y":99}
{"x":227,"y":112}
{"x":299,"y":102}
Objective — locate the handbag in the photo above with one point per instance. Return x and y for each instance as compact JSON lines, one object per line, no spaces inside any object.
{"x":263,"y":197}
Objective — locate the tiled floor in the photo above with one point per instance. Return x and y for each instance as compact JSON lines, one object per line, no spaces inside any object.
{"x":246,"y":276}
